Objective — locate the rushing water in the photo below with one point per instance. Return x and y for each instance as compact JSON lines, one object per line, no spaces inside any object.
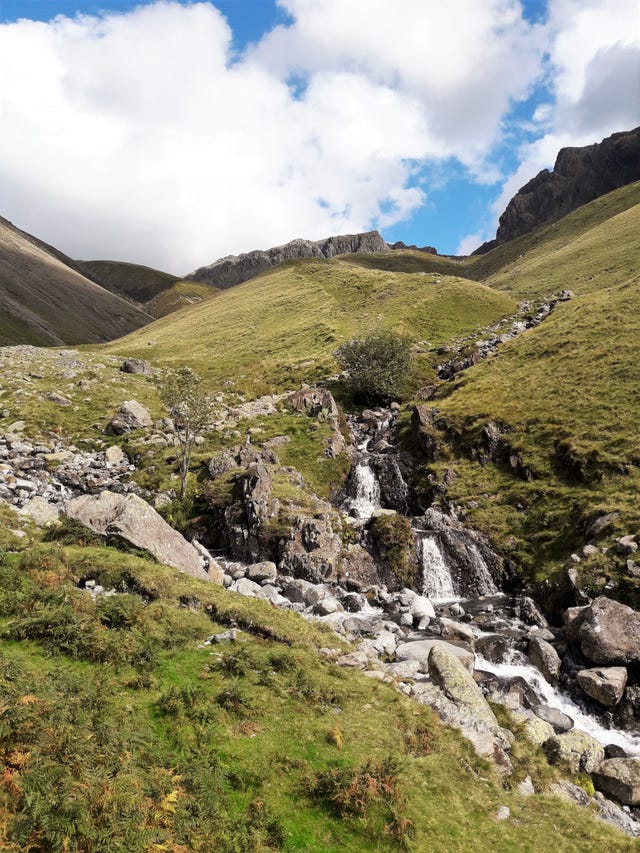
{"x":549,"y":695}
{"x":367,"y":492}
{"x":436,"y":578}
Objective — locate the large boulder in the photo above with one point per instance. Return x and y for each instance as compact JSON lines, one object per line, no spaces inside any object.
{"x":620,"y":777}
{"x":130,"y":416}
{"x":132,"y":519}
{"x":450,"y":674}
{"x":608,"y":632}
{"x":40,"y":511}
{"x":420,"y":650}
{"x":605,"y":685}
{"x":545,"y":658}
{"x":136,"y":365}
{"x":580,"y":750}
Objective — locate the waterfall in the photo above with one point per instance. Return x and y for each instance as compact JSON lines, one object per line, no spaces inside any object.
{"x":367,"y":492}
{"x":436,"y":578}
{"x":486,"y":586}
{"x":518,"y":665}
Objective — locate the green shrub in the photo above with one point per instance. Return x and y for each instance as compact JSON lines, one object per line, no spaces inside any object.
{"x":377,"y":366}
{"x":395,"y":543}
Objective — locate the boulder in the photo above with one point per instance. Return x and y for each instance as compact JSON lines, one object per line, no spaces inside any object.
{"x":134,"y":520}
{"x":136,"y":365}
{"x":246,"y":587}
{"x":545,"y":658}
{"x":115,"y":455}
{"x":580,"y":750}
{"x":450,"y":674}
{"x":317,"y":402}
{"x":559,"y":721}
{"x":605,"y":685}
{"x":457,"y":631}
{"x":129,"y":417}
{"x":421,"y":608}
{"x":620,"y":777}
{"x":420,"y":650}
{"x":537,"y":730}
{"x":40,"y":511}
{"x":609,"y":632}
{"x":265,"y":571}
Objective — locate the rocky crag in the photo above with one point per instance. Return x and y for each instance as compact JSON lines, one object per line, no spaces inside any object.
{"x":579,"y":175}
{"x":234,"y":269}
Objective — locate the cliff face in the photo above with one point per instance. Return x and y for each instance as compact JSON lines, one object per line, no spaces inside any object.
{"x":579,"y":176}
{"x":234,"y":269}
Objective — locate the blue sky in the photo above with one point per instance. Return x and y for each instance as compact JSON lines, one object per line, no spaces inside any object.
{"x":179,"y":132}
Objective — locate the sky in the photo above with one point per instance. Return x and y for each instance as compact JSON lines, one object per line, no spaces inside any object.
{"x":173,"y":133}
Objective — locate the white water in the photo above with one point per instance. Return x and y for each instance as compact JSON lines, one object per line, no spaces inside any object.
{"x":487,"y":586}
{"x":548,"y":695}
{"x":367,"y":496}
{"x":436,"y":578}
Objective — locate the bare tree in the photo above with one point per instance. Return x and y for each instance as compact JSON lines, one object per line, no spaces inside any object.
{"x":190,"y":409}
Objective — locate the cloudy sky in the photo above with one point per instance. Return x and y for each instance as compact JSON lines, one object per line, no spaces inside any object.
{"x":172,"y":133}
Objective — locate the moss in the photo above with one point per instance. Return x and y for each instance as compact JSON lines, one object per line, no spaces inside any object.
{"x":395,"y":544}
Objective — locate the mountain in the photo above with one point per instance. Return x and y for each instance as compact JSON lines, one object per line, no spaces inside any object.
{"x":579,"y":176}
{"x":137,"y":282}
{"x":234,"y":269}
{"x":45,"y":298}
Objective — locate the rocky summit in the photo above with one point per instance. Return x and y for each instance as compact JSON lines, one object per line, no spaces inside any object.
{"x":234,"y":269}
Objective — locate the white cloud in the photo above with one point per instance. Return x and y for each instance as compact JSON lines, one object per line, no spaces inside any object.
{"x":141,"y":137}
{"x":144,"y":137}
{"x":594,"y":76}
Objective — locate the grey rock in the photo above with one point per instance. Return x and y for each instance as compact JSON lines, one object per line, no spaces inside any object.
{"x":545,"y":658}
{"x":559,"y":721}
{"x":420,"y":650}
{"x":619,"y":777}
{"x":265,"y":571}
{"x":605,"y":685}
{"x":136,"y":365}
{"x":580,"y":750}
{"x":40,"y":511}
{"x":609,"y":632}
{"x":246,"y":587}
{"x":234,"y":269}
{"x":129,"y":417}
{"x":131,"y":518}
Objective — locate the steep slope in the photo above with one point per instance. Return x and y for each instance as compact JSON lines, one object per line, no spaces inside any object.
{"x":282,"y":328}
{"x":234,"y":269}
{"x":44,"y":299}
{"x":135,"y":281}
{"x":579,"y":176}
{"x":563,"y":401}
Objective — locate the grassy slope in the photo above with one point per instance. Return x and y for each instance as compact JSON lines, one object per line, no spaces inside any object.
{"x":138,"y":282}
{"x":45,"y":300}
{"x":155,"y":743}
{"x":180,"y":295}
{"x":282,"y":327}
{"x":571,"y":380}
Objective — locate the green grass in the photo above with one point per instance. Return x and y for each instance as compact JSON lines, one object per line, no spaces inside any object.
{"x":251,"y":746}
{"x":182,"y":294}
{"x":138,"y":282}
{"x":282,"y":327}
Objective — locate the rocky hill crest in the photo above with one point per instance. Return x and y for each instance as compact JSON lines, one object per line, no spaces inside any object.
{"x":234,"y":269}
{"x":579,"y":176}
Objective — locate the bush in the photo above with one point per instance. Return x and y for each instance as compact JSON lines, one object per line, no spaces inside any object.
{"x":377,"y":366}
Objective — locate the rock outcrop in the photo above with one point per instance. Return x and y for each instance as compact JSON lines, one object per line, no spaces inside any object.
{"x":620,"y":777}
{"x":607,"y":632}
{"x":132,"y":519}
{"x":579,"y":176}
{"x":234,"y":269}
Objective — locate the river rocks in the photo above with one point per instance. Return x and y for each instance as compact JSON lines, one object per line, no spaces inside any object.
{"x":129,"y":417}
{"x":608,"y":632}
{"x":620,"y":777}
{"x":537,"y":730}
{"x":137,"y":366}
{"x":449,"y":673}
{"x":580,"y":750}
{"x":545,"y":658}
{"x":265,"y":571}
{"x":559,"y":721}
{"x":246,"y":587}
{"x":605,"y":685}
{"x":131,"y":518}
{"x":420,"y":650}
{"x":493,"y":647}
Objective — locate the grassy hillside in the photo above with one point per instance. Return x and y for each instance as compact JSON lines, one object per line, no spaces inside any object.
{"x":138,"y":282}
{"x":179,"y":295}
{"x":123,"y":732}
{"x":567,"y":396}
{"x":44,"y":299}
{"x":282,"y":327}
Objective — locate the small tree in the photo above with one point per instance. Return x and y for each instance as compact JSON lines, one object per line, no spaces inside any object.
{"x":376,"y":366}
{"x":190,"y":409}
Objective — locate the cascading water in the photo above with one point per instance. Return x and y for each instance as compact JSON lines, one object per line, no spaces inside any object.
{"x":367,"y":492}
{"x":519,"y":666}
{"x":484,"y":580}
{"x":436,"y":577}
